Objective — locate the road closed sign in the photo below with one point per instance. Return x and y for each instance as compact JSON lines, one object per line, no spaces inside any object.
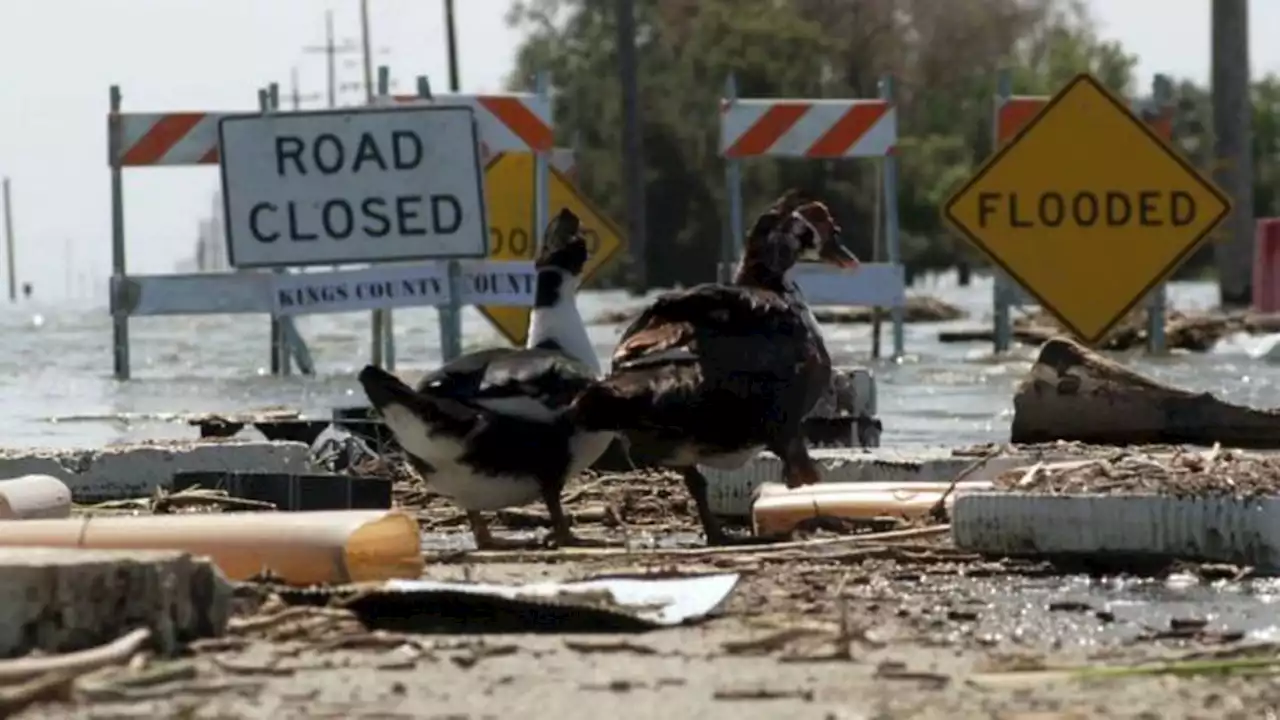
{"x":369,"y":185}
{"x":1087,"y":208}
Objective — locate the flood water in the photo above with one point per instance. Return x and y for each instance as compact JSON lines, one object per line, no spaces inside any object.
{"x":57,"y":384}
{"x":59,"y":392}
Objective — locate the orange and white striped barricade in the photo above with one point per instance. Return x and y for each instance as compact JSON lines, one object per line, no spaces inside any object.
{"x":171,"y":139}
{"x":821,"y":130}
{"x":178,"y":139}
{"x":1011,"y":114}
{"x":515,"y":122}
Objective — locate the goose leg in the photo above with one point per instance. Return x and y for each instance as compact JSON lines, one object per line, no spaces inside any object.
{"x":480,"y":530}
{"x":697,"y":486}
{"x":561,"y":527}
{"x":798,"y":468}
{"x":485,"y":539}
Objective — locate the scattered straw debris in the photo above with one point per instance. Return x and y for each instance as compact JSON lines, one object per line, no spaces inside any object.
{"x":194,"y":499}
{"x":1208,"y":473}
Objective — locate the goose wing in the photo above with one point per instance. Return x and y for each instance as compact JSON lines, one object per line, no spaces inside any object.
{"x":531,"y":383}
{"x":713,"y":363}
{"x":750,"y":329}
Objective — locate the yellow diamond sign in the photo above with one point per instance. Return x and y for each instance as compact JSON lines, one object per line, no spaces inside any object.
{"x":509,"y":188}
{"x":1087,"y":209}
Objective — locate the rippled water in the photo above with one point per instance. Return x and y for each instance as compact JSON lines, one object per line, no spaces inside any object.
{"x":59,"y":391}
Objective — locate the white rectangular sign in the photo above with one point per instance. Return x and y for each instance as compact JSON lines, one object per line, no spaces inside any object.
{"x":368,"y":185}
{"x":349,"y":290}
{"x":871,"y":285}
{"x":490,"y":282}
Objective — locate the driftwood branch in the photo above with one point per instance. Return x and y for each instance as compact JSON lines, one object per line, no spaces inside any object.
{"x":1075,"y":394}
{"x":74,"y":663}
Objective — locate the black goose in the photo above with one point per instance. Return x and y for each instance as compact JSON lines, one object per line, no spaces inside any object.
{"x":714,"y":374}
{"x":489,"y":430}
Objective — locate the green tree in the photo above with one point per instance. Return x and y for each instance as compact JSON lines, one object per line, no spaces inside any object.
{"x":943,"y":56}
{"x":1193,"y":136}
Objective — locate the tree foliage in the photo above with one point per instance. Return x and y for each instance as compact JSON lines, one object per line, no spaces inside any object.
{"x":944,"y":58}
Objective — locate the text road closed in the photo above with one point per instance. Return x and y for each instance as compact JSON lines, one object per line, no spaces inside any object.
{"x":370,"y":185}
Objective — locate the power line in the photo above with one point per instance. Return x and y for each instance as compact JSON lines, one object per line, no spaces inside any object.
{"x":332,"y":48}
{"x":296,"y":96}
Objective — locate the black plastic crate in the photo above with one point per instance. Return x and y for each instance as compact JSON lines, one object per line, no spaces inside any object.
{"x":293,"y":492}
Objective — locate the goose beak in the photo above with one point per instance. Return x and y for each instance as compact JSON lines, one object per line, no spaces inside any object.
{"x":833,"y":253}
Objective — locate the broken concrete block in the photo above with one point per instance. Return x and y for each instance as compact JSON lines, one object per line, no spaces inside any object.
{"x":127,"y":471}
{"x":61,"y":600}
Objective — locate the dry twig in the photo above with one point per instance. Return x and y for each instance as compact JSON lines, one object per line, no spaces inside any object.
{"x":75,"y":663}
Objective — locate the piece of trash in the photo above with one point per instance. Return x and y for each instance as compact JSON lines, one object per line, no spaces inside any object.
{"x":293,"y":492}
{"x":337,"y":450}
{"x":603,"y":605}
{"x":34,"y":496}
{"x":778,"y":510}
{"x":301,"y":548}
{"x":366,"y":424}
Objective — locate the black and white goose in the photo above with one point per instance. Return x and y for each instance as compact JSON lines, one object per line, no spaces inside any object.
{"x":490,"y":430}
{"x":714,"y":374}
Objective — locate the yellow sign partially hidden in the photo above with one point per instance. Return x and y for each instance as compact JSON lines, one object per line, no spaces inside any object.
{"x":1087,"y":209}
{"x":509,"y":191}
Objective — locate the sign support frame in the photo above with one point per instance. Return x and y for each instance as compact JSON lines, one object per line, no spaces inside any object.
{"x":732,"y":245}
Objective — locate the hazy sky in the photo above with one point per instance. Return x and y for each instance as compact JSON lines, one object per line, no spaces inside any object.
{"x":60,"y":56}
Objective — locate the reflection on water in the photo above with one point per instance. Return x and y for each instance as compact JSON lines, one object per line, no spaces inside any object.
{"x":1081,"y":610}
{"x":57,"y":363}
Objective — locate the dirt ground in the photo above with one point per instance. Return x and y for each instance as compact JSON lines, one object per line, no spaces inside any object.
{"x":904,"y":627}
{"x":883,"y":631}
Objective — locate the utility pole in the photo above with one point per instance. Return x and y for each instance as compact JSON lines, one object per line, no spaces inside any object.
{"x":1233,"y":148}
{"x":66,"y":266}
{"x":331,"y":50}
{"x":8,"y":242}
{"x":296,"y":98}
{"x":380,"y":318}
{"x":368,"y":54}
{"x":451,"y":41}
{"x":632,"y":145}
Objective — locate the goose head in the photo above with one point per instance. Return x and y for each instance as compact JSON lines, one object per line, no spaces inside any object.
{"x":799,"y":230}
{"x":558,"y":265}
{"x":817,"y":236}
{"x":563,"y":247}
{"x":555,"y":322}
{"x":786,"y":204}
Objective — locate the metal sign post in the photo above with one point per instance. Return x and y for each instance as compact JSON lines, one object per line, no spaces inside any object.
{"x":1085,"y":205}
{"x":1013,"y":113}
